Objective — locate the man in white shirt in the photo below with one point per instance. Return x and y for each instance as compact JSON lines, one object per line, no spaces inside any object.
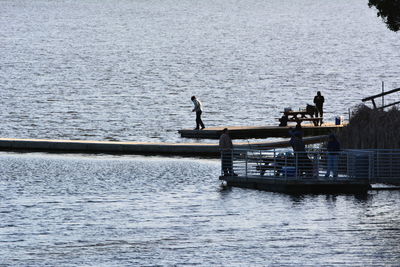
{"x":199,"y":110}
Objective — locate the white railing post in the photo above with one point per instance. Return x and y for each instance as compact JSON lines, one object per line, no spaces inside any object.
{"x":286,"y":170}
{"x":296,"y":164}
{"x":246,"y":163}
{"x":260,"y":163}
{"x":231,"y":162}
{"x":222,"y":165}
{"x":274,"y":162}
{"x":317,"y":155}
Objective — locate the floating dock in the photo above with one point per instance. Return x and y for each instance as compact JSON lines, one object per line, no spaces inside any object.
{"x":246,"y":132}
{"x":310,"y":185}
{"x":309,"y":172}
{"x":143,"y":148}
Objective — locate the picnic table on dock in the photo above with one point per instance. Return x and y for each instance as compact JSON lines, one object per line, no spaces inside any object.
{"x":300,"y":116}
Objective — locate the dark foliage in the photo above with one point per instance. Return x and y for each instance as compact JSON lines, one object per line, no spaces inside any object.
{"x":389,"y":11}
{"x":372,"y":128}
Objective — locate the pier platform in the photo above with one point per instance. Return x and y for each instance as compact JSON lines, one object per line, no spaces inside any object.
{"x":141,"y":148}
{"x":310,"y":185}
{"x":246,"y":132}
{"x":309,"y":172}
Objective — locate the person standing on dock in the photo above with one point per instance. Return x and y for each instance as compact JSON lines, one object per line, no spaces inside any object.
{"x":303,"y":162}
{"x":298,"y":129}
{"x":198,"y":108}
{"x":333,"y":148}
{"x":319,"y":103}
{"x":226,"y":146}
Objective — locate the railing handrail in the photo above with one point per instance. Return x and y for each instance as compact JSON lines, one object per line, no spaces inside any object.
{"x":371,"y":164}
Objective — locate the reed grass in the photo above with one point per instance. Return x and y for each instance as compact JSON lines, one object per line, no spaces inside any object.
{"x":372,"y":129}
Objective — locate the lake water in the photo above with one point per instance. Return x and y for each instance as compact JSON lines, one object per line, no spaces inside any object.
{"x":59,"y":210}
{"x":125,"y":70}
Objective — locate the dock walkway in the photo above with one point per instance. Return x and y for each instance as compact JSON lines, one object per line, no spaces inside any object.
{"x":142,"y":148}
{"x":246,"y":132}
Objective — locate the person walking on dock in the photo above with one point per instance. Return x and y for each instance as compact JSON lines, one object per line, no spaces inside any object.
{"x":226,"y":146}
{"x":198,"y":108}
{"x":319,"y":103}
{"x":333,"y":148}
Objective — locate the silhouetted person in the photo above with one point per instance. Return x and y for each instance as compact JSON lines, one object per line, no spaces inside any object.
{"x":198,"y":109}
{"x":319,"y":103}
{"x":297,"y":129}
{"x":283,"y":120}
{"x":226,"y":146}
{"x":333,"y":148}
{"x":312,"y":111}
{"x":304,"y":164}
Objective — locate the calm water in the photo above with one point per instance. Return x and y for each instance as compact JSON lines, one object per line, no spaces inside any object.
{"x":125,"y":70}
{"x":133,"y":211}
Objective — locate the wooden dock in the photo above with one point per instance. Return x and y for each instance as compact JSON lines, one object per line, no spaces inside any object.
{"x":141,"y":148}
{"x":246,"y":132}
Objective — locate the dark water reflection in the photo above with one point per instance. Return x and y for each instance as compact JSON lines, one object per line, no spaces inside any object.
{"x":136,"y":211}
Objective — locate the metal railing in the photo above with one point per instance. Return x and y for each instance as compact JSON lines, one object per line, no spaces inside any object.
{"x":386,"y":163}
{"x":375,"y":165}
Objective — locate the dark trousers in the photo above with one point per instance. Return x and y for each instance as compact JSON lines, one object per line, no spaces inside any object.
{"x":226,"y":162}
{"x":304,"y":164}
{"x":199,"y":122}
{"x":319,"y":112}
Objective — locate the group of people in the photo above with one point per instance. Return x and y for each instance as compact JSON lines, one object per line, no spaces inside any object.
{"x":225,"y":142}
{"x":317,"y":111}
{"x":296,"y":141}
{"x":304,"y":163}
{"x":318,"y":101}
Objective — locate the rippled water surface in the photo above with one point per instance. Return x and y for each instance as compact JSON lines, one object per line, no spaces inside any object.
{"x":126,"y":69}
{"x":134,"y":211}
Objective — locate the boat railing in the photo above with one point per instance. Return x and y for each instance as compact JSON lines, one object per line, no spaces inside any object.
{"x":374,"y":165}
